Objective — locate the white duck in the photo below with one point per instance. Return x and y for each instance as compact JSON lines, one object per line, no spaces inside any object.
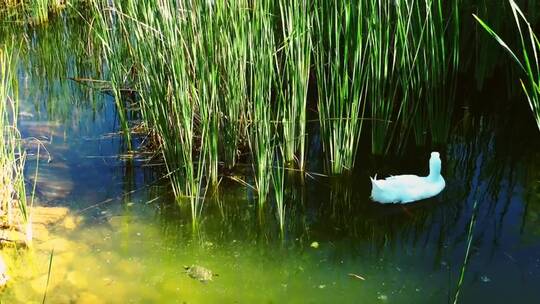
{"x":409,"y":188}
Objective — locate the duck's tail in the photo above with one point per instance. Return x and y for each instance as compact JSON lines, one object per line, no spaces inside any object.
{"x":374,"y":185}
{"x":374,"y":181}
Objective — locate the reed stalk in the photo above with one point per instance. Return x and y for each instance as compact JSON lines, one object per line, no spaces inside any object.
{"x":527,"y":57}
{"x":409,"y":36}
{"x":470,"y":235}
{"x":261,"y":81}
{"x":383,"y":80}
{"x":202,"y":36}
{"x":158,"y":42}
{"x":14,"y":212}
{"x":211,"y":76}
{"x":441,"y":49}
{"x":110,"y":27}
{"x":233,"y":19}
{"x":296,"y":30}
{"x":278,"y":180}
{"x":340,"y":63}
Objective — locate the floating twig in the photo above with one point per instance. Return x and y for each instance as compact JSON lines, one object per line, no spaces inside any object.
{"x":356,"y":276}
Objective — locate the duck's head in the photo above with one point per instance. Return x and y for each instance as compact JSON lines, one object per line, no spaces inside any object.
{"x":435,"y":165}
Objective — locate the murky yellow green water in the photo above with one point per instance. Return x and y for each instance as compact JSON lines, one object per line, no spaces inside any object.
{"x":125,"y":259}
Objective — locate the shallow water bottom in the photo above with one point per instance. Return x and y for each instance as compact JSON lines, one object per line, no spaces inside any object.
{"x":127,"y":260}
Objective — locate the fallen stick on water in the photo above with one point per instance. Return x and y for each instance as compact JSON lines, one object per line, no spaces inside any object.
{"x":354,"y":275}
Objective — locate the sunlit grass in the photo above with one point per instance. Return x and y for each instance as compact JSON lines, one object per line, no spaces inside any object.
{"x":297,"y":29}
{"x":232,"y":43}
{"x":34,"y":12}
{"x":340,"y":63}
{"x":262,"y":71}
{"x":14,"y":211}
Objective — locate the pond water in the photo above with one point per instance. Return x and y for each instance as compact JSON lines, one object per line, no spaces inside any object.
{"x":132,"y":241}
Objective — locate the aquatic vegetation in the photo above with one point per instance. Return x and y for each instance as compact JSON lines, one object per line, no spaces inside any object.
{"x":278,"y":181}
{"x":408,"y":35}
{"x":223,"y":84}
{"x":39,"y":11}
{"x":48,"y":276}
{"x":232,"y":44}
{"x":340,"y":64}
{"x":14,"y":211}
{"x":526,"y":58}
{"x":168,"y":97}
{"x":262,"y":72}
{"x":470,"y":236}
{"x":383,"y":81}
{"x":297,"y":29}
{"x":34,"y":11}
{"x":117,"y":72}
{"x":441,"y":55}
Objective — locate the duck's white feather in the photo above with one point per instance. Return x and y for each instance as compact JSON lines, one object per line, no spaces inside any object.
{"x":409,"y":188}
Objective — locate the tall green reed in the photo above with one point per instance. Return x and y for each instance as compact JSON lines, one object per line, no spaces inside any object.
{"x":470,"y":235}
{"x":441,"y":62}
{"x":33,"y":11}
{"x":527,"y":57}
{"x":110,"y":27}
{"x":278,"y":181}
{"x":203,"y":49}
{"x":39,"y":11}
{"x":209,"y":76}
{"x":340,"y":63}
{"x":383,"y":81}
{"x":233,"y":19}
{"x":409,"y":37}
{"x":296,"y":27}
{"x":425,"y":53}
{"x":14,"y":211}
{"x":262,"y":58}
{"x":173,"y":110}
{"x":157,"y":41}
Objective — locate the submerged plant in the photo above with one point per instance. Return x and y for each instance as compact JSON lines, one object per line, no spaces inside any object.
{"x":527,"y":58}
{"x":278,"y":180}
{"x":470,"y":235}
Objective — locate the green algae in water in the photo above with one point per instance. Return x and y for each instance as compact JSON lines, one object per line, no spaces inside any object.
{"x":128,"y":260}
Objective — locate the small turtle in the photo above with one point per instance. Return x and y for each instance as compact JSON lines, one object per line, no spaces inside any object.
{"x":200,"y":273}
